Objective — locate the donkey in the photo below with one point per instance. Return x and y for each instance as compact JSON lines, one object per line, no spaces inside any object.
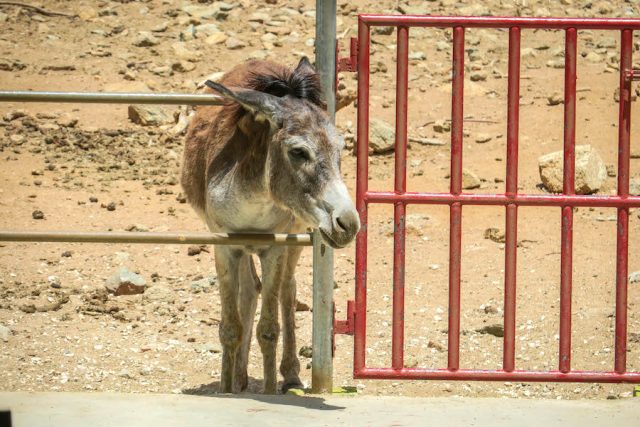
{"x":266,"y":161}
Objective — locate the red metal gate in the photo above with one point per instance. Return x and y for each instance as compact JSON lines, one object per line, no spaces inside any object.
{"x":511,"y":199}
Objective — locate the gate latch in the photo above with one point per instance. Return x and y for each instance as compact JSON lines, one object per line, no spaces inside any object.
{"x":632,"y":74}
{"x":345,"y":327}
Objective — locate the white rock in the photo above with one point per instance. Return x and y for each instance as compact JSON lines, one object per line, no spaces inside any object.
{"x":591,"y":171}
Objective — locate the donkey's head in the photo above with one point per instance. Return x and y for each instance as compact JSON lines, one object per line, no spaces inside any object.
{"x":303,"y":161}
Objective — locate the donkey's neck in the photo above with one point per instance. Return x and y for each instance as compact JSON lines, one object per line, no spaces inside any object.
{"x":238,"y":195}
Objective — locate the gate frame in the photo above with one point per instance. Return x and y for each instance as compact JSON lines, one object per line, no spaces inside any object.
{"x":511,"y":199}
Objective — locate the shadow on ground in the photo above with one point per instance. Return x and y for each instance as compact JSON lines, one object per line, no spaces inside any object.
{"x":253,"y":393}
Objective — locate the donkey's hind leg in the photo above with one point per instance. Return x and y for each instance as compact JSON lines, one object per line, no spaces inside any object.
{"x":247,"y":303}
{"x":227,"y":261}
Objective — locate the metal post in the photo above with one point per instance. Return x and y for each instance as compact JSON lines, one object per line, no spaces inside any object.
{"x":322,"y":341}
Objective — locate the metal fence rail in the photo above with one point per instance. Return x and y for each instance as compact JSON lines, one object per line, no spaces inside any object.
{"x":511,"y":199}
{"x":111,"y":97}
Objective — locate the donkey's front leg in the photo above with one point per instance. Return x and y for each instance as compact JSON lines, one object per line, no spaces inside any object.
{"x":290,"y":366}
{"x":227,"y":261}
{"x":268,"y":330}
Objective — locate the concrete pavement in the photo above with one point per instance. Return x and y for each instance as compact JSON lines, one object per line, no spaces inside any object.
{"x":159,"y":410}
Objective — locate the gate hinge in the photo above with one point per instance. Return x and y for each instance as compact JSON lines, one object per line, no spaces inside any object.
{"x":632,"y":74}
{"x":345,"y":327}
{"x":350,"y":63}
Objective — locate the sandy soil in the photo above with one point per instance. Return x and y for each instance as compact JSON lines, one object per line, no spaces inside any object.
{"x":65,"y":333}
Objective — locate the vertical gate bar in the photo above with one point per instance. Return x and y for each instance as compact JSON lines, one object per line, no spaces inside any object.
{"x":511,"y":216}
{"x":622,"y":241}
{"x":455,"y":222}
{"x":399,"y":232}
{"x":322,"y":337}
{"x":362,"y":184}
{"x":566,"y":245}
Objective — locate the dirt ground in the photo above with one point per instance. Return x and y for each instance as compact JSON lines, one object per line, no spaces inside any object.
{"x":87,"y":167}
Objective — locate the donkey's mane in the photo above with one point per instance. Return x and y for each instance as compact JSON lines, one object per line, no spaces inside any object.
{"x":282,"y":82}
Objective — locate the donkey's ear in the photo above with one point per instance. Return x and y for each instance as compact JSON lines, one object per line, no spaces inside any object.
{"x":305,"y":67}
{"x":262,"y":105}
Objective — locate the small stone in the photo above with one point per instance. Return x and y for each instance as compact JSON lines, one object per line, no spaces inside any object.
{"x":203,"y":285}
{"x":54,"y":282}
{"x":28,"y":308}
{"x":66,"y":121}
{"x":233,"y":43}
{"x":478,"y":76}
{"x":145,"y":39}
{"x":555,"y":99}
{"x":216,"y":38}
{"x":37,"y":214}
{"x":442,"y":126}
{"x":611,"y":171}
{"x":93,"y":199}
{"x":382,"y":139}
{"x":66,"y":254}
{"x":593,"y":57}
{"x":481,"y":138}
{"x":183,"y":66}
{"x":306,"y":351}
{"x":590,"y":171}
{"x":436,"y":345}
{"x":495,"y":234}
{"x":4,"y":333}
{"x":183,"y":52}
{"x":14,"y":114}
{"x":470,"y":180}
{"x":159,"y":293}
{"x":419,"y":56}
{"x":490,"y":309}
{"x":111,"y":207}
{"x":301,"y":306}
{"x":125,"y":282}
{"x":496,"y":330}
{"x":148,"y":115}
{"x":196,"y":250}
{"x":634,"y":277}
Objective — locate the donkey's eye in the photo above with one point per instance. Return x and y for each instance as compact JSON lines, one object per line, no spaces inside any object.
{"x":299,"y":154}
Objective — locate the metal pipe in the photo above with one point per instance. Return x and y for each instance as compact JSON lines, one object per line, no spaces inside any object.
{"x":566,"y":239}
{"x":501,"y":22}
{"x":362,"y":185}
{"x":511,"y":216}
{"x":270,"y":239}
{"x":322,"y":340}
{"x":488,"y":375}
{"x":455,"y":216}
{"x":622,"y":241}
{"x":111,"y":98}
{"x":502,"y":199}
{"x":322,"y":329}
{"x":399,"y":232}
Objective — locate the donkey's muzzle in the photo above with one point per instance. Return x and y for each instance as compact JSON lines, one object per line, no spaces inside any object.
{"x":345,"y":225}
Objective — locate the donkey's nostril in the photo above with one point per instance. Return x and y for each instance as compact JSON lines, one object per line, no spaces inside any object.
{"x":341,"y":224}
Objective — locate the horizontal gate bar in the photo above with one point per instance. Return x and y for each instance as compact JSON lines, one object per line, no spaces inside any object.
{"x":503,"y":199}
{"x":501,"y":22}
{"x":487,"y":375}
{"x":282,"y":239}
{"x":111,"y":98}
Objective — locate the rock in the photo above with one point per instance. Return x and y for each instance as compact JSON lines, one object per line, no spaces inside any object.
{"x":382,"y":136}
{"x":14,"y":114}
{"x":233,"y":43}
{"x":555,"y":99}
{"x":182,"y":52}
{"x":66,"y":254}
{"x":67,"y":121}
{"x":209,"y":348}
{"x":478,"y":76}
{"x":418,"y":56}
{"x":159,"y":293}
{"x":495,"y":235}
{"x":86,"y":13}
{"x":37,"y":214}
{"x":616,"y":95}
{"x":216,"y":38}
{"x":7,"y":64}
{"x":593,"y":57}
{"x":383,"y":31}
{"x":203,"y":285}
{"x":125,"y":282}
{"x":4,"y":333}
{"x":301,"y":306}
{"x":496,"y":330}
{"x":110,"y":206}
{"x":590,"y":170}
{"x":469,"y":180}
{"x":634,"y":277}
{"x":145,"y":39}
{"x":28,"y":308}
{"x":474,"y":10}
{"x":54,"y":282}
{"x":205,"y":30}
{"x":218,"y":10}
{"x":183,"y":66}
{"x":436,"y":345}
{"x":148,"y":115}
{"x":481,"y":138}
{"x":442,"y":126}
{"x":196,"y":250}
{"x":306,"y":351}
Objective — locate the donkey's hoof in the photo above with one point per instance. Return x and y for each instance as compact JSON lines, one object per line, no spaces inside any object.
{"x":286,"y":386}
